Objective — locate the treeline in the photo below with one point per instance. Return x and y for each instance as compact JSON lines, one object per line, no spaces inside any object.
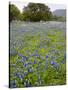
{"x":59,"y":18}
{"x":33,"y":12}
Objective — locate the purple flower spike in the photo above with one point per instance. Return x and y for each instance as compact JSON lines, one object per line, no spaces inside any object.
{"x":46,"y":56}
{"x":25,"y":58}
{"x":37,"y":55}
{"x":34,"y":62}
{"x":53,"y":63}
{"x":25,"y":65}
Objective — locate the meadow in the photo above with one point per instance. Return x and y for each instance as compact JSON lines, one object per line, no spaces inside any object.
{"x":37,"y":54}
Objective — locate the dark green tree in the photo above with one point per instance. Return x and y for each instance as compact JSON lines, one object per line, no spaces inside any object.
{"x":36,"y":12}
{"x":14,"y":12}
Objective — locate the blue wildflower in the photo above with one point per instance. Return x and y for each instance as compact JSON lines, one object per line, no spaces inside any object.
{"x":30,"y":70}
{"x":21,"y":55}
{"x":36,"y":54}
{"x":25,"y":65}
{"x":47,"y":56}
{"x":55,"y":64}
{"x":19,"y":76}
{"x":34,"y":62}
{"x":25,"y":58}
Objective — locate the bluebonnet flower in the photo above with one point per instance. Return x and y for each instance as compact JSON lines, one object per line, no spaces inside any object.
{"x":46,"y":56}
{"x":55,"y":64}
{"x":34,"y":61}
{"x":19,"y":76}
{"x":21,"y":55}
{"x":30,"y":70}
{"x":25,"y":65}
{"x":36,"y":54}
{"x":55,"y":51}
{"x":25,"y":58}
{"x":13,"y":84}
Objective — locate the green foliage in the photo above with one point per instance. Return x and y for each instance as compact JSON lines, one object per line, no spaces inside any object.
{"x":33,"y":12}
{"x":36,"y":12}
{"x":61,"y":18}
{"x":13,"y":12}
{"x":21,"y":16}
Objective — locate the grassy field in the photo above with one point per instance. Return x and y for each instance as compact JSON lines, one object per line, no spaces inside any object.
{"x":37,"y":54}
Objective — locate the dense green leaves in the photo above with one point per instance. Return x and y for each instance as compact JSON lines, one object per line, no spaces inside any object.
{"x":32,"y":12}
{"x":13,"y":12}
{"x":36,"y":12}
{"x":59,"y":18}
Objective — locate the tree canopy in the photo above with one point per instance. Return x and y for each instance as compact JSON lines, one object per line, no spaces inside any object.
{"x":32,"y":12}
{"x":36,"y":12}
{"x":13,"y":12}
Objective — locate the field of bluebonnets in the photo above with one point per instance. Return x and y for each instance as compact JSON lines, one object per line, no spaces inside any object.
{"x":37,"y":54}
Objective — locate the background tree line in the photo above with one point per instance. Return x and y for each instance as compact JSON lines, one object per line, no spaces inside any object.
{"x":33,"y":12}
